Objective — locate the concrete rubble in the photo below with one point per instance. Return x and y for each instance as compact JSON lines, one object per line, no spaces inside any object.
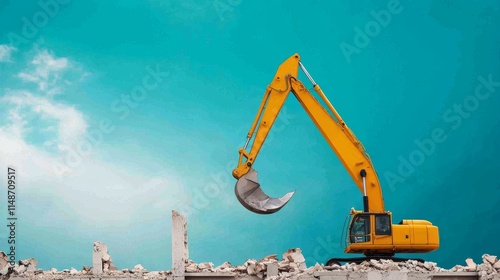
{"x":291,"y":266}
{"x":101,"y":260}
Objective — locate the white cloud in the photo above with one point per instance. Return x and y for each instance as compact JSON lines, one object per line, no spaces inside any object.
{"x":71,"y":123}
{"x":96,"y":191}
{"x":45,"y":69}
{"x":5,"y":53}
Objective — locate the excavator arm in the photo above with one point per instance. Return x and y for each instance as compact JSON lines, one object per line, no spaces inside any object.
{"x":341,"y":139}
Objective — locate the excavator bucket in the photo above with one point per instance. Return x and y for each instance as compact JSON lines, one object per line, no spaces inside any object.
{"x":251,"y":196}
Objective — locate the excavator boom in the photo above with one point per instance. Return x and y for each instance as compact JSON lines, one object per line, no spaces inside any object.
{"x":340,"y":138}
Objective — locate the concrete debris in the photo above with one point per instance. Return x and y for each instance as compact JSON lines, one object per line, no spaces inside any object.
{"x":471,"y":265}
{"x":251,"y":264}
{"x":225,"y":267}
{"x":206,"y":267}
{"x":101,"y":260}
{"x":273,"y":257}
{"x":430,"y":265}
{"x":295,"y":256}
{"x":4,"y":263}
{"x":497,"y":265}
{"x":20,"y":269}
{"x":490,"y":259}
{"x":4,"y":259}
{"x":292,"y":266}
{"x":138,"y":268}
{"x":191,"y":266}
{"x":241,"y":268}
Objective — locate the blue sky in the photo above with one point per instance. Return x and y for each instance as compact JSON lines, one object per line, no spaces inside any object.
{"x":116,"y":112}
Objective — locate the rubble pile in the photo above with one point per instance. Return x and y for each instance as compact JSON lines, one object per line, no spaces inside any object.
{"x":20,"y":268}
{"x":25,"y":268}
{"x":291,"y":266}
{"x":487,"y":270}
{"x":28,"y":268}
{"x":293,"y":262}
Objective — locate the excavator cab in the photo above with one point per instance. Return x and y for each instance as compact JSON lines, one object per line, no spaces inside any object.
{"x":369,"y":233}
{"x":365,"y":225}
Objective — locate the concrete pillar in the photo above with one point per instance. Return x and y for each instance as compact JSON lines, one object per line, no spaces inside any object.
{"x":180,"y":252}
{"x":99,"y":249}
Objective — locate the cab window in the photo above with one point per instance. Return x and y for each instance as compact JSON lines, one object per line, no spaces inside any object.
{"x":382,"y":225}
{"x":360,"y":229}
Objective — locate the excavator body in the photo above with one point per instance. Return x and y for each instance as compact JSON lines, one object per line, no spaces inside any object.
{"x":374,"y":234}
{"x":371,"y":231}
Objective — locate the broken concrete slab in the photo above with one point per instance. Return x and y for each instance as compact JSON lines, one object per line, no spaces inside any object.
{"x":272,"y":269}
{"x":223,"y":267}
{"x":20,"y":269}
{"x":191,"y":266}
{"x":206,"y":267}
{"x":489,"y":258}
{"x":294,"y":255}
{"x":471,"y":265}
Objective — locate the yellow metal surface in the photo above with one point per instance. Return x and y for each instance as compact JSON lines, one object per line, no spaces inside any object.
{"x":408,"y":236}
{"x":341,"y":139}
{"x":411,"y":236}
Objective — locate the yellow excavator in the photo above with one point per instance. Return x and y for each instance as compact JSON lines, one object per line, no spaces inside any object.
{"x":371,"y":231}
